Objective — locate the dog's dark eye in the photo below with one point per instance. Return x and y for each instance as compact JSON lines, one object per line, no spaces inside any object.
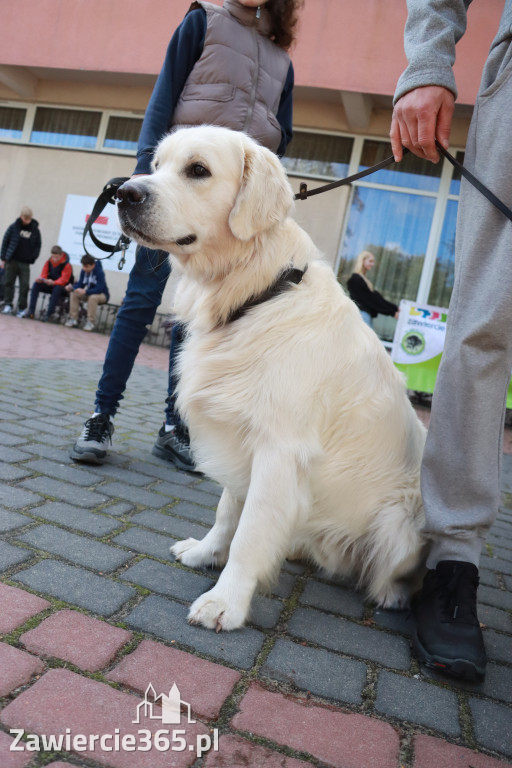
{"x":198,"y":171}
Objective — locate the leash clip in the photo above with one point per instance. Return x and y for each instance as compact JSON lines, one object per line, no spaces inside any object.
{"x":124,"y":243}
{"x":303,"y":191}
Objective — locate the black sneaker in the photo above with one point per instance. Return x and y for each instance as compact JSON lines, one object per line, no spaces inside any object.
{"x":174,"y":446}
{"x":91,"y":446}
{"x":448,"y":637}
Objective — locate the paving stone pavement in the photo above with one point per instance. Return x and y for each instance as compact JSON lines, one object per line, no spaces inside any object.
{"x":93,"y":609}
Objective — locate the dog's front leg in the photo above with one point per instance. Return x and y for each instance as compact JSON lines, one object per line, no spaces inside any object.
{"x":213,"y":550}
{"x":269,"y":517}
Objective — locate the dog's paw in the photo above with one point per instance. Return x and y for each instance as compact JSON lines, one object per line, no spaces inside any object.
{"x":189,"y":552}
{"x":396,"y":598}
{"x":198,"y":554}
{"x":212,"y":611}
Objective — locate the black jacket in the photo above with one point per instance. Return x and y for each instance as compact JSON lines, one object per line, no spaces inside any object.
{"x":368,"y":300}
{"x":11,"y":243}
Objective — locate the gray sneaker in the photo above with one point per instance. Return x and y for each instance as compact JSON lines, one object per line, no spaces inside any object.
{"x":175,"y":447}
{"x":91,"y":446}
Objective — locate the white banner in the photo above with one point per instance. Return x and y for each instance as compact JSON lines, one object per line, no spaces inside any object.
{"x":76,"y":212}
{"x":419,"y":333}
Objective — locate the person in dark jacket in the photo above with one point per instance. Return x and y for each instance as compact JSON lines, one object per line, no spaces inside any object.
{"x":20,"y":248}
{"x":370,"y":302}
{"x":55,"y":275}
{"x":201,"y":81}
{"x":91,"y":287}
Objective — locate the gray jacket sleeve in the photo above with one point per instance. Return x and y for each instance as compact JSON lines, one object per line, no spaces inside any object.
{"x":432,"y":29}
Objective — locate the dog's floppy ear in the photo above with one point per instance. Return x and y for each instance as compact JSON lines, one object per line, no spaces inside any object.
{"x":265,"y":196}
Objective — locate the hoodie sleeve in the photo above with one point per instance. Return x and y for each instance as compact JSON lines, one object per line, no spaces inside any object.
{"x":44,"y":271}
{"x":80,"y":282}
{"x":432,"y":30}
{"x":285,"y":112}
{"x":101,"y":284}
{"x":5,"y":241}
{"x":36,"y":250}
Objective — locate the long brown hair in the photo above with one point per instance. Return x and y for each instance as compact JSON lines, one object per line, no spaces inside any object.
{"x":284,"y":15}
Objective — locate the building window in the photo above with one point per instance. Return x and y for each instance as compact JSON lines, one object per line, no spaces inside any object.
{"x":123,"y":133}
{"x":11,"y":122}
{"x":444,"y":271}
{"x":455,"y":183}
{"x":391,"y":214}
{"x":65,"y":128}
{"x":411,"y":172}
{"x":319,"y":155}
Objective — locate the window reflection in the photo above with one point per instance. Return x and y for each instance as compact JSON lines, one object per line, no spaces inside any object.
{"x":442,"y":281}
{"x":395,"y":227}
{"x":455,"y":183}
{"x":410,"y":172}
{"x":314,"y":154}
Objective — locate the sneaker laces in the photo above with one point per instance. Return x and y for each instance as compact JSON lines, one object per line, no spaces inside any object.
{"x":456,"y":586}
{"x":98,"y":429}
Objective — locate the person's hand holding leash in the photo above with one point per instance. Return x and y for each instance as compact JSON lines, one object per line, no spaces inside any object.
{"x":419,"y":118}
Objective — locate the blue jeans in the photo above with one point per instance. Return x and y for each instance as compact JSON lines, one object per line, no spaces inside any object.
{"x":56,"y":292}
{"x":367,"y":318}
{"x":143,"y":296}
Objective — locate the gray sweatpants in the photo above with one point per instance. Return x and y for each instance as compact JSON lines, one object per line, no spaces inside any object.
{"x":461,"y":465}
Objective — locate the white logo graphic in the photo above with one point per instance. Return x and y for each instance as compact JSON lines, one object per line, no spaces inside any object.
{"x":142,"y":740}
{"x":171,"y":706}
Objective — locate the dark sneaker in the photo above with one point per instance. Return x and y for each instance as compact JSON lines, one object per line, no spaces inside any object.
{"x":175,"y":447}
{"x":448,"y":637}
{"x":91,"y":446}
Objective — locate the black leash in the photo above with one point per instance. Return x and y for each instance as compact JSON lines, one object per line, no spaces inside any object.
{"x":476,"y":182}
{"x":108,"y":195}
{"x":304,"y":192}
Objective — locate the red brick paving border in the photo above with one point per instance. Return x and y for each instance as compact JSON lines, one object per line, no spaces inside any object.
{"x":17,"y":667}
{"x":203,"y":684}
{"x":62,"y":700}
{"x":339,"y":740}
{"x":88,"y":643}
{"x":235,"y":752}
{"x":10,"y":759}
{"x":17,"y":606}
{"x":434,"y":753}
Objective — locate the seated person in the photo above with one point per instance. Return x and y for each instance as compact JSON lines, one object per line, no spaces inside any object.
{"x":369,"y":301}
{"x":55,"y":276}
{"x":92,"y":288}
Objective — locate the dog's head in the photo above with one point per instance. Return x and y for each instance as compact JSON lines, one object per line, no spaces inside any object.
{"x":208,"y":185}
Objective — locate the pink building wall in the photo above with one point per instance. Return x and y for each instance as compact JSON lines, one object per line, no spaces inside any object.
{"x":343,"y":44}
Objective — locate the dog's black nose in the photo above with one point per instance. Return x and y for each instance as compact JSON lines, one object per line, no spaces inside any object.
{"x":131,"y":193}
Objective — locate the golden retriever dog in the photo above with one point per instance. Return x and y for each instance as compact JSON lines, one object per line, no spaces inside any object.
{"x":292,"y":402}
